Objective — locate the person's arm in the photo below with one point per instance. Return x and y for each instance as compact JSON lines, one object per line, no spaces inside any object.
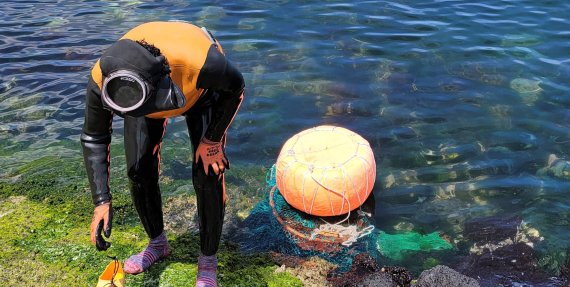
{"x":220,"y":75}
{"x":95,"y":142}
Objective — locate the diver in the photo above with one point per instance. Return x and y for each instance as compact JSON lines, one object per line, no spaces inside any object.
{"x":156,"y":71}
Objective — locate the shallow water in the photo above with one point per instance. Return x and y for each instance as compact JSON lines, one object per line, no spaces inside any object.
{"x":463,"y":103}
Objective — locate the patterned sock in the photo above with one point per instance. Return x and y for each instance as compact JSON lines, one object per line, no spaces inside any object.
{"x":157,"y":248}
{"x":207,"y":266}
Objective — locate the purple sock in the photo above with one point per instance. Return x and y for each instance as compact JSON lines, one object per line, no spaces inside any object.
{"x":207,"y":266}
{"x":157,"y":248}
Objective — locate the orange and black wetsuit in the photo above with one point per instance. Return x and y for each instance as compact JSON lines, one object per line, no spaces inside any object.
{"x":213,"y":88}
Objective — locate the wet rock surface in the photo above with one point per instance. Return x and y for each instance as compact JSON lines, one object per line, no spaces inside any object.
{"x":366,"y":272}
{"x":503,"y":255}
{"x":491,"y":229}
{"x":444,"y":276}
{"x":180,"y":215}
{"x":311,"y":271}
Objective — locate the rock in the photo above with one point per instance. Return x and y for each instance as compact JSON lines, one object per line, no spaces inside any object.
{"x":511,"y":258}
{"x":311,"y":271}
{"x":441,"y":275}
{"x":366,"y":272}
{"x":502,"y":254}
{"x":379,"y":279}
{"x":492,"y":229}
{"x":522,"y":85}
{"x":400,"y":275}
{"x":180,"y":215}
{"x":363,"y":265}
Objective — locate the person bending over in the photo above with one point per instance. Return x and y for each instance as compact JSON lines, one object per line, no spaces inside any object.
{"x":156,"y":71}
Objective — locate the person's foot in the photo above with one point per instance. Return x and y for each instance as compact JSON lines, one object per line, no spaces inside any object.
{"x":207,"y":271}
{"x":157,"y":248}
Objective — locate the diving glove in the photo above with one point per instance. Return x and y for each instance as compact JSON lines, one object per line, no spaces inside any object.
{"x":102,"y":218}
{"x":212,"y":154}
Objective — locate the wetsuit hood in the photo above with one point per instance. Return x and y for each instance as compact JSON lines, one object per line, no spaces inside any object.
{"x":135,"y":82}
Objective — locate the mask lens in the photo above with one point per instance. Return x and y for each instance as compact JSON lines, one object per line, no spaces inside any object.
{"x":124,"y":91}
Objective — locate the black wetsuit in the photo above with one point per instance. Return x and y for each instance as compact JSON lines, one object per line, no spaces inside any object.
{"x":221,"y":88}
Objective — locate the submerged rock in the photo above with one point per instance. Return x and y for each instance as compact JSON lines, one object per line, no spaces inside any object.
{"x":507,"y":141}
{"x":520,"y":40}
{"x":528,"y":89}
{"x":449,"y":153}
{"x":502,"y":253}
{"x":491,"y":229}
{"x":210,"y":13}
{"x":483,"y":72}
{"x":6,"y":85}
{"x":349,"y":108}
{"x":556,"y":167}
{"x":521,"y":85}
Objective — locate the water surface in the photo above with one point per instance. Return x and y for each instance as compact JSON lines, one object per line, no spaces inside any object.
{"x":463,"y":103}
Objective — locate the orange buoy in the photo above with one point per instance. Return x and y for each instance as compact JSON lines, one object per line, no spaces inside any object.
{"x":326,"y":171}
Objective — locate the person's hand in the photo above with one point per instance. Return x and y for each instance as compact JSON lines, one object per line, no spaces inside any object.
{"x":212,"y":154}
{"x":102,"y":217}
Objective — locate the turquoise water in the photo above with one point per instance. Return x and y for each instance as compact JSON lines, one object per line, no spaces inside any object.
{"x":463,"y":103}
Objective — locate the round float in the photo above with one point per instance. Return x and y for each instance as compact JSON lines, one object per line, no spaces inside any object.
{"x":326,"y":171}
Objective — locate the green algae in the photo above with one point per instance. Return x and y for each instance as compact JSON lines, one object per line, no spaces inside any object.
{"x":44,"y":221}
{"x":9,"y":147}
{"x":22,"y":257}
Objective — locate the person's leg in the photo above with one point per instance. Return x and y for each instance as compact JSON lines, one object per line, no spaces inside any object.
{"x":210,"y":194}
{"x":143,"y":140}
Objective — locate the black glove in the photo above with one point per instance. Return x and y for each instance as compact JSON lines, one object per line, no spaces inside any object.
{"x":102,"y":217}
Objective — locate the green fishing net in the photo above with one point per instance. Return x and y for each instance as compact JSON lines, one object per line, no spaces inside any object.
{"x":273,"y":225}
{"x":397,"y":246}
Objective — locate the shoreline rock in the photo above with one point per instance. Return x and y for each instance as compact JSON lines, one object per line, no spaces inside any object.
{"x":501,"y":255}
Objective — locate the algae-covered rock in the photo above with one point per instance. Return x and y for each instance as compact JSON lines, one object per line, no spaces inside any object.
{"x":209,"y":14}
{"x":451,"y":153}
{"x":257,"y":24}
{"x":528,"y":89}
{"x":483,"y":72}
{"x":524,"y":40}
{"x":384,"y":71}
{"x":16,"y":102}
{"x":311,"y":271}
{"x":556,"y":167}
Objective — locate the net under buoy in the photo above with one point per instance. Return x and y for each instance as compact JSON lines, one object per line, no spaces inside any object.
{"x":326,"y":171}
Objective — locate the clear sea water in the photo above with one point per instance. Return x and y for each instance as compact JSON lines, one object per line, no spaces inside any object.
{"x":463,"y":102}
